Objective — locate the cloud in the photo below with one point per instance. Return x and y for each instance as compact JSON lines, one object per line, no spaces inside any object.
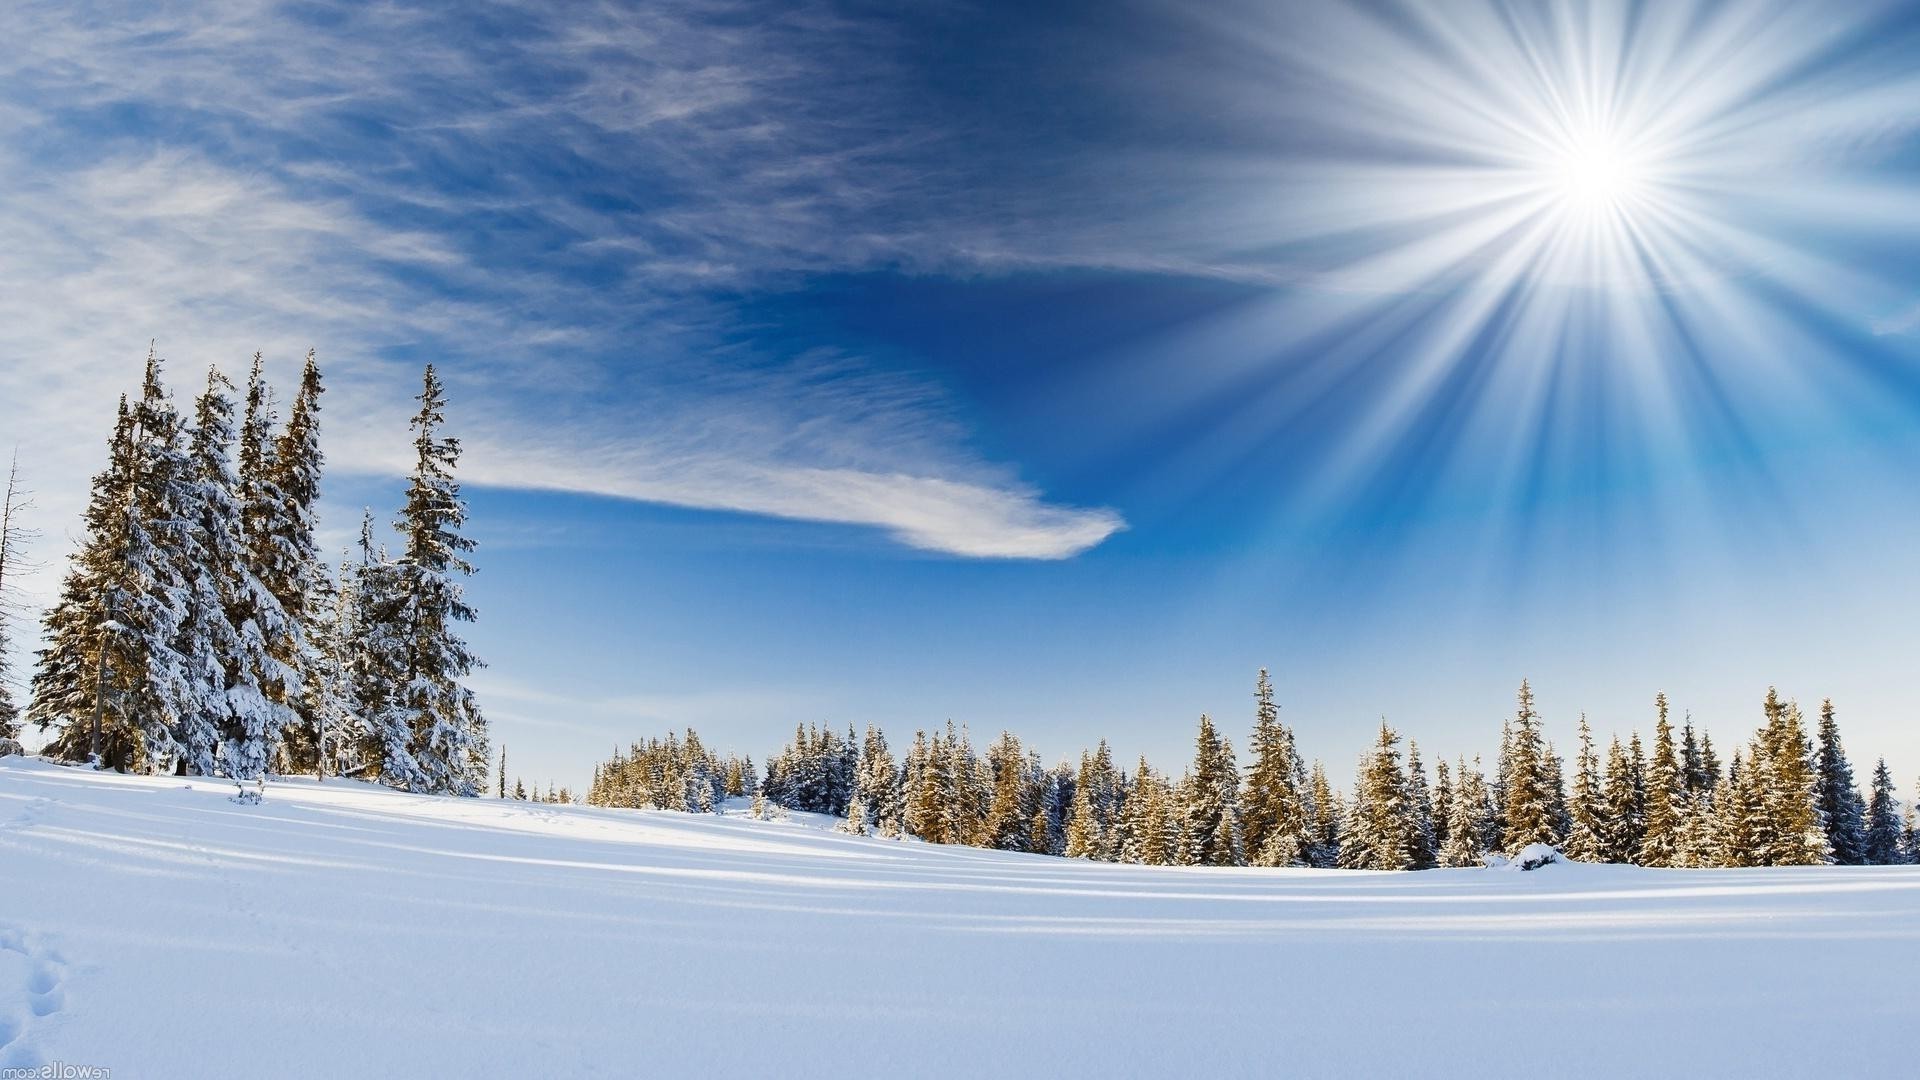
{"x":1897,"y":323}
{"x":561,"y":206}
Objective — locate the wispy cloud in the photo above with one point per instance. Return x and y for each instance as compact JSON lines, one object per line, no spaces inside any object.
{"x":558,"y":204}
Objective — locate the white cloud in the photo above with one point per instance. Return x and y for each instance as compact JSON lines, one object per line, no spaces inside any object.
{"x":273,"y":185}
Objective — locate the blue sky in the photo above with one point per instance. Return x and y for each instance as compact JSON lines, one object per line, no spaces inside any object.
{"x":1049,"y":370}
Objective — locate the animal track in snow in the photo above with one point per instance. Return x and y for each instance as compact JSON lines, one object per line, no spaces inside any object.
{"x":42,"y":991}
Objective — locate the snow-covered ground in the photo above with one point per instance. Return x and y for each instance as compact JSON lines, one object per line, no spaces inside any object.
{"x":152,"y":927}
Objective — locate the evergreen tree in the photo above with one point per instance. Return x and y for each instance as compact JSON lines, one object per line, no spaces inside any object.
{"x":228,"y":668}
{"x":1381,"y":821}
{"x":1665,"y":795}
{"x":1530,"y":817}
{"x":1470,"y":820}
{"x":1212,"y":809}
{"x":1584,"y":838}
{"x":1839,"y":800}
{"x":1793,"y":833}
{"x":1619,"y":825}
{"x":1882,"y":845}
{"x":448,"y":744}
{"x":1422,"y":844}
{"x":110,"y":663}
{"x":1273,"y":810}
{"x":1325,"y":820}
{"x":1442,"y":803}
{"x":298,"y":581}
{"x":1010,"y":815}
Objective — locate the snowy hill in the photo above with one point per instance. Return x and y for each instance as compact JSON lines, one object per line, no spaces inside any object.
{"x":151,"y":926}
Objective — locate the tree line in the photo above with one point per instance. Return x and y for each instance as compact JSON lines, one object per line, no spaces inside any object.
{"x":198,"y":631}
{"x":1788,"y":797}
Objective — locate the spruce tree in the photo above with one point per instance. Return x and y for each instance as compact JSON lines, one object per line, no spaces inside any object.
{"x":1009,"y":817}
{"x":1529,"y":798}
{"x":1665,"y":795}
{"x":1380,"y":821}
{"x":1882,"y":845}
{"x":1423,"y":846}
{"x":1212,"y":810}
{"x":1584,"y":838}
{"x":1470,"y":820}
{"x":1841,"y":807}
{"x":1442,"y":802}
{"x":229,"y":668}
{"x":298,"y":580}
{"x":448,"y":734}
{"x":1325,"y":822}
{"x":1793,"y":833}
{"x":1619,"y":825}
{"x":1273,"y":806}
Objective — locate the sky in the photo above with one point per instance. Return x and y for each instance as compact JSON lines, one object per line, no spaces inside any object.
{"x":1040,"y":367}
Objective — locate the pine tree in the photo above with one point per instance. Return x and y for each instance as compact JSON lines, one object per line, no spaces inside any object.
{"x":1442,"y":803}
{"x":448,"y":741}
{"x":1009,"y":816}
{"x":1470,"y":823}
{"x":1782,"y":761}
{"x":1841,"y":807}
{"x":229,"y":670}
{"x":1665,"y":795}
{"x":1380,"y":822}
{"x":1325,"y":820}
{"x":1584,"y":841}
{"x":1212,"y":810}
{"x":1529,"y":803}
{"x":1882,"y":845}
{"x":1422,"y":845}
{"x":110,"y":677}
{"x":298,"y":580}
{"x":1619,"y":825}
{"x":1273,"y":809}
{"x":503,"y":770}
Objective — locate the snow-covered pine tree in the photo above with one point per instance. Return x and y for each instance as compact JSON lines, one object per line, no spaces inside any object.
{"x":1212,"y":809}
{"x":1882,"y":845}
{"x":1584,"y":841}
{"x":1273,"y":804}
{"x":1442,"y":803}
{"x":856,"y":822}
{"x":1530,"y":817}
{"x":232,"y":716}
{"x":1470,"y":821}
{"x":1782,"y":761}
{"x":1423,"y":845}
{"x":299,"y":582}
{"x":377,"y":631}
{"x":448,"y":745}
{"x":879,"y":783}
{"x":1665,"y":795}
{"x":1619,"y":823}
{"x":1841,"y":807}
{"x":1325,"y":820}
{"x":1379,"y":823}
{"x":110,"y":660}
{"x":1009,"y":817}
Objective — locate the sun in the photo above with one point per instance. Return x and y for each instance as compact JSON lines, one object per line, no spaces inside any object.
{"x":1596,"y":172}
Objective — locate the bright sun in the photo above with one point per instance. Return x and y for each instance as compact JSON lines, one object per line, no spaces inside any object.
{"x":1595,"y":173}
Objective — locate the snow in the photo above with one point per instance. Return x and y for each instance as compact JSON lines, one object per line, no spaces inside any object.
{"x":151,"y":926}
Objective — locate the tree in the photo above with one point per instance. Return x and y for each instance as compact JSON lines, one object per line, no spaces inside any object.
{"x":1422,"y":845}
{"x":1529,"y":798}
{"x":14,"y":536}
{"x":1584,"y":838}
{"x":503,"y":770}
{"x":1841,"y":807}
{"x":1470,"y":819}
{"x":294,"y":574}
{"x":1792,"y":833}
{"x":1212,"y":810}
{"x":110,"y":677}
{"x":1380,"y":823}
{"x":1665,"y":794}
{"x":1010,"y":815}
{"x":1882,"y":841}
{"x":1619,"y":825}
{"x":1325,"y":820}
{"x":447,"y":744}
{"x":232,"y":711}
{"x":1273,"y":809}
